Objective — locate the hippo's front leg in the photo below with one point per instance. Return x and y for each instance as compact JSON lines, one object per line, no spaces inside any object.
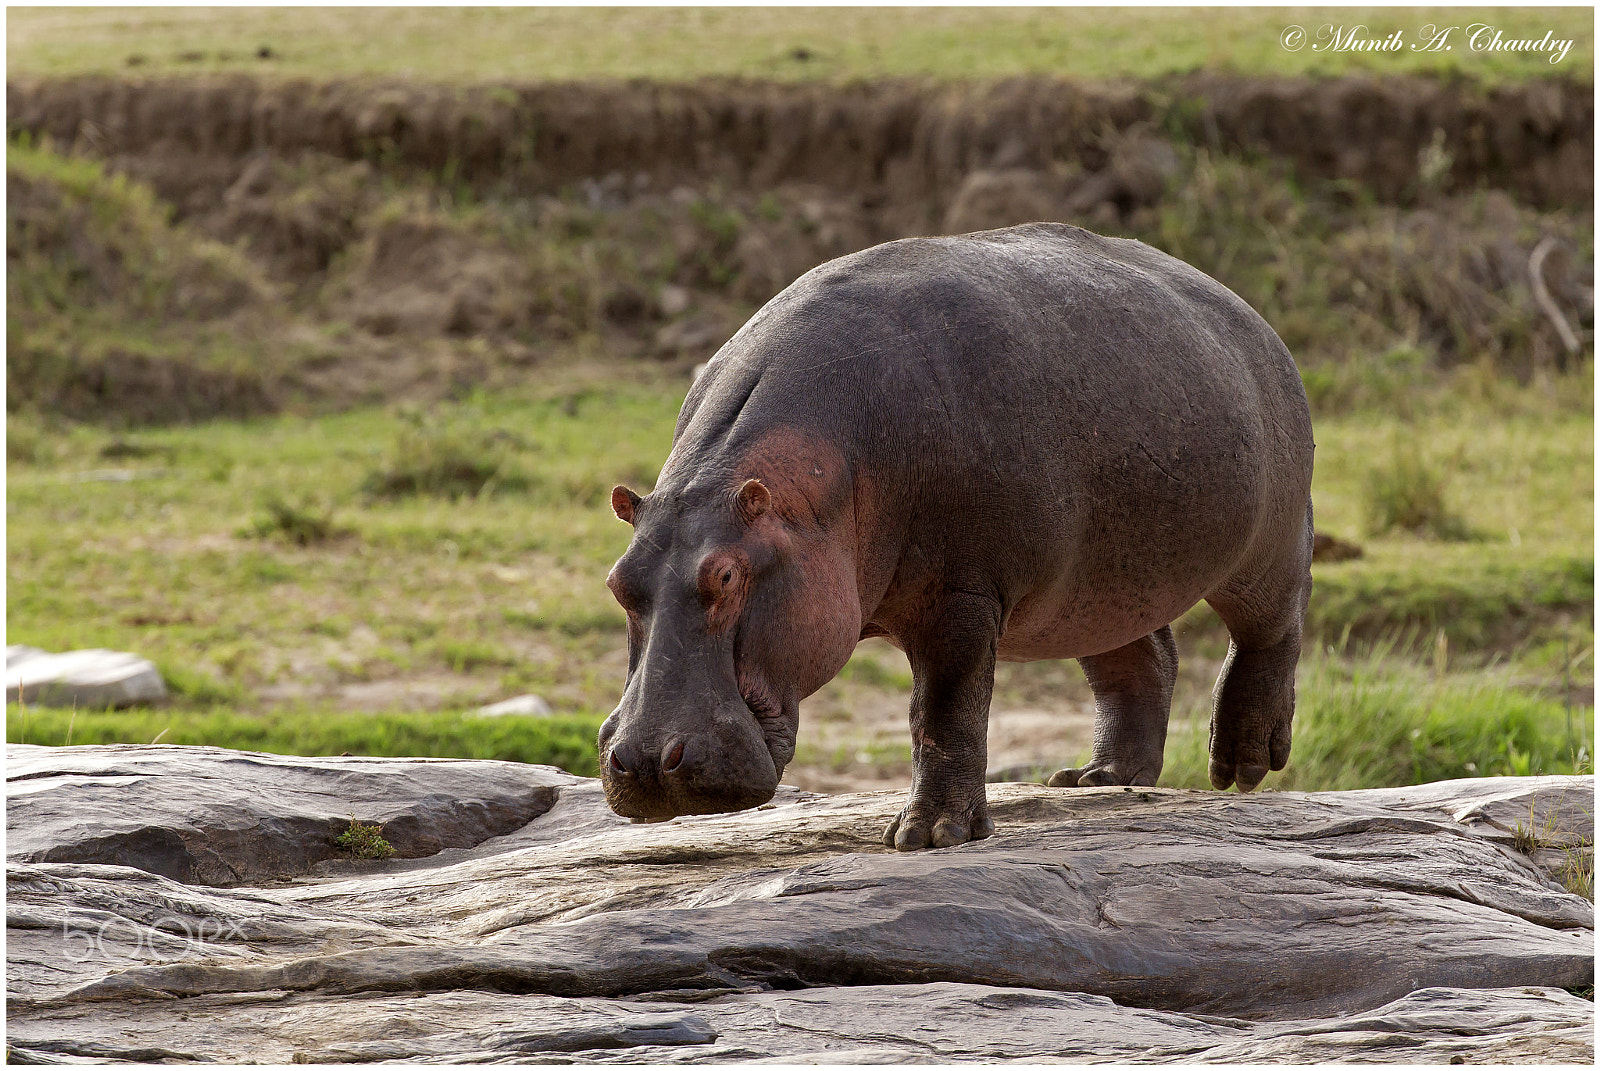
{"x":952,"y":663}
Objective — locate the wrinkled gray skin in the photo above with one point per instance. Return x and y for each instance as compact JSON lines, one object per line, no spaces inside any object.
{"x":1019,"y":444}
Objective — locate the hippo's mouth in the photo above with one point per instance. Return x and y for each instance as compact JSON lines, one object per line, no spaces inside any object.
{"x":773,"y":716}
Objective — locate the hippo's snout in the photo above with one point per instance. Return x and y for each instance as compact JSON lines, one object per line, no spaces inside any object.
{"x":662,"y":774}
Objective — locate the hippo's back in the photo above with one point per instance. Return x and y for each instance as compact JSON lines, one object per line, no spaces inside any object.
{"x":1039,"y":304}
{"x":1043,"y":337}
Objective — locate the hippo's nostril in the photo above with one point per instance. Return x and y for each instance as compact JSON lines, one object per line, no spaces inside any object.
{"x":674,"y":757}
{"x":625,"y":760}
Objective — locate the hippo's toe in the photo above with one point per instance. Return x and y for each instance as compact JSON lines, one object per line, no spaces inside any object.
{"x":917,"y":827}
{"x":1097,"y":776}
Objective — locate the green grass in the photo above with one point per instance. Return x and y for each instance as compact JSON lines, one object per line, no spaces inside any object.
{"x":839,"y":44}
{"x":504,"y":590}
{"x":564,"y":741}
{"x":480,"y":597}
{"x":1378,"y":720}
{"x":1521,"y":479}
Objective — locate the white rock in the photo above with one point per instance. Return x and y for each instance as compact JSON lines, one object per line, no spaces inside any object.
{"x":673,"y":299}
{"x":526,"y":705}
{"x":87,"y":678}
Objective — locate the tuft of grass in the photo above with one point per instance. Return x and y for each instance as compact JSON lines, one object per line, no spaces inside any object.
{"x":122,"y":449}
{"x":463,"y":655}
{"x":433,"y":455}
{"x":364,"y":841}
{"x":1409,"y":493}
{"x":1378,"y":721}
{"x":305,"y":524}
{"x":1574,"y":863}
{"x":1577,"y":874}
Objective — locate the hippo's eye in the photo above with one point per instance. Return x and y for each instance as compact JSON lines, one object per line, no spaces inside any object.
{"x":723,"y":580}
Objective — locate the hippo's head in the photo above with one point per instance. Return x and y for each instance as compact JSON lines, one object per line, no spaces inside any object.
{"x":738,"y":607}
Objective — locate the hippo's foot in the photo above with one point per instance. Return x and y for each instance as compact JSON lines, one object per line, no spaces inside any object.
{"x":1251,"y":723}
{"x":1243,"y":759}
{"x":1132,"y":688}
{"x":925,"y":824}
{"x":1096,"y":775}
{"x":1252,"y":709}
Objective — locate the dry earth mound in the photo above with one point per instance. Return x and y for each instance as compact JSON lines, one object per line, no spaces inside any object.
{"x":915,"y":140}
{"x":404,"y":240}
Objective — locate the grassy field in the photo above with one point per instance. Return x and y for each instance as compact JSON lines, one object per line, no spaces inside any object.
{"x":414,"y":563}
{"x":833,"y":43}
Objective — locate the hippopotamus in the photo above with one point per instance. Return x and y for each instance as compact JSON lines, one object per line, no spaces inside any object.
{"x":1018,"y":444}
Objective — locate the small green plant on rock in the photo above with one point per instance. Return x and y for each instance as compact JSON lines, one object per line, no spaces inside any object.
{"x":1575,"y":867}
{"x":364,"y":841}
{"x":1577,"y":872}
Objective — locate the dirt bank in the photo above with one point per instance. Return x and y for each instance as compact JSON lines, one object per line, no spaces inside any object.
{"x":910,"y":141}
{"x":394,"y":240}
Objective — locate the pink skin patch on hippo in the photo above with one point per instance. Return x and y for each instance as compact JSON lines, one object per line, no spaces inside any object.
{"x":804,"y":474}
{"x":811,"y":523}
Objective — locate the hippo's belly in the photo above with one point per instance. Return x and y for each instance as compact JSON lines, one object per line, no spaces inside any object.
{"x":1087,"y":622}
{"x":1147,"y":549}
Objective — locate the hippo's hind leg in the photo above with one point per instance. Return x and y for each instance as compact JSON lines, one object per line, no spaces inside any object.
{"x":1132,"y":698}
{"x":1253,"y":703}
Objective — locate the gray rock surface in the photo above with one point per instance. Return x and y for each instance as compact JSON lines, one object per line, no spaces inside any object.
{"x":216,"y":817}
{"x":93,"y":679}
{"x":188,"y":903}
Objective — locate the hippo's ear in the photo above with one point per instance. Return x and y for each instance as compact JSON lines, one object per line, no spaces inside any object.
{"x":753,"y":500}
{"x":624,"y":502}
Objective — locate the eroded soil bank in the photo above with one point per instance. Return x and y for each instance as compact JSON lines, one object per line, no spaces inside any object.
{"x":911,"y":141}
{"x":287,"y":243}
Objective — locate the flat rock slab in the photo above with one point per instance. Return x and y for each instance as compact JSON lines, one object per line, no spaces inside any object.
{"x":211,"y":816}
{"x":1394,"y":925}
